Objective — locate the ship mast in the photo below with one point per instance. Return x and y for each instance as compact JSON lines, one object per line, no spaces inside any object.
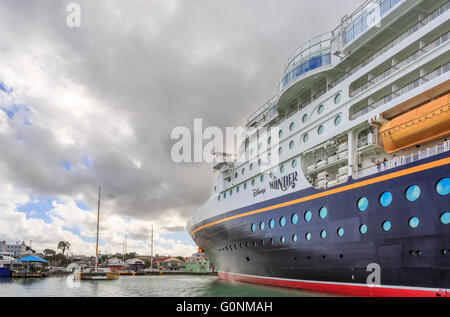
{"x":151,"y":253}
{"x":98,"y":221}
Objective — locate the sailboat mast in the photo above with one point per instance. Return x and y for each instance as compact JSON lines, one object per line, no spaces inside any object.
{"x":98,"y":221}
{"x":151,"y":252}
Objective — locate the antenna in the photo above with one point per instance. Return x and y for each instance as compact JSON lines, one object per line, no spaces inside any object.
{"x":98,"y":221}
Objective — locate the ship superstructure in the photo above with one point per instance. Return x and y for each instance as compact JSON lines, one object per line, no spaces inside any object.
{"x":362,"y":177}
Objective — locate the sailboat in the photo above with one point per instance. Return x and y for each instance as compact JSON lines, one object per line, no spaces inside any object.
{"x":102,"y":273}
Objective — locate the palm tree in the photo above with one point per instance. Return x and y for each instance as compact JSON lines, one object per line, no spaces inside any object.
{"x":63,"y":245}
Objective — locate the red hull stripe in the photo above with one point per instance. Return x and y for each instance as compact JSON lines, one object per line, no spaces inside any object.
{"x":339,"y":288}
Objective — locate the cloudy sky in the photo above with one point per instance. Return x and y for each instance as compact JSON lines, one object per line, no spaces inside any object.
{"x":95,"y":105}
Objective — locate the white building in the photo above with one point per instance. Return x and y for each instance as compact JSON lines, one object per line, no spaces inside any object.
{"x":14,"y":249}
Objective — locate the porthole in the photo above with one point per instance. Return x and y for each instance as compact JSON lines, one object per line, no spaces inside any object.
{"x":280,"y":150}
{"x":385,"y":199}
{"x":253,"y":227}
{"x":294,"y":164}
{"x":218,"y":198}
{"x":259,"y":162}
{"x":243,"y":171}
{"x":291,"y":144}
{"x":323,"y":213}
{"x":308,"y":236}
{"x":238,"y":189}
{"x":271,"y":223}
{"x":387,"y":226}
{"x":294,"y":219}
{"x":224,"y":195}
{"x":245,"y":186}
{"x":271,"y":174}
{"x":320,"y":109}
{"x":320,"y":130}
{"x":280,"y":133}
{"x":269,"y":157}
{"x":294,"y":238}
{"x":340,"y":232}
{"x":412,"y":193}
{"x":269,"y":140}
{"x":251,"y":166}
{"x":282,"y":168}
{"x":445,"y":218}
{"x":363,"y":203}
{"x":413,"y":222}
{"x":282,"y":239}
{"x":337,"y":99}
{"x":323,"y":234}
{"x":305,"y":118}
{"x":231,"y":193}
{"x":443,"y":186}
{"x":363,"y":229}
{"x":305,"y":137}
{"x":282,"y":221}
{"x":253,"y":182}
{"x":292,"y":126}
{"x":272,"y":241}
{"x":262,"y":225}
{"x":308,"y":216}
{"x":236,"y":175}
{"x":337,"y":120}
{"x":262,"y":178}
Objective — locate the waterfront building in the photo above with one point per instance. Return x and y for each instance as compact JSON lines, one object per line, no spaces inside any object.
{"x":135,"y":264}
{"x":16,"y":250}
{"x":114,"y":264}
{"x":198,"y":264}
{"x":342,"y":179}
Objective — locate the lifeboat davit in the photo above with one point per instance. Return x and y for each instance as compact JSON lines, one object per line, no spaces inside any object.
{"x":426,"y":123}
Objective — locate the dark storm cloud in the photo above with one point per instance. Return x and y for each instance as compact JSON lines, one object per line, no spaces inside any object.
{"x":158,"y":67}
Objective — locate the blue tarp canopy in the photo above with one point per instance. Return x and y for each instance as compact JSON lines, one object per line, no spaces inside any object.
{"x":32,"y":258}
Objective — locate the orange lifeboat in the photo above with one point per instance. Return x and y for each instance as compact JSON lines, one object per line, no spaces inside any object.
{"x":426,"y":123}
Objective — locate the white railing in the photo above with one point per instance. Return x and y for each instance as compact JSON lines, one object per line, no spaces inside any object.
{"x":402,"y":64}
{"x":403,"y":160}
{"x":407,"y":88}
{"x":438,"y":12}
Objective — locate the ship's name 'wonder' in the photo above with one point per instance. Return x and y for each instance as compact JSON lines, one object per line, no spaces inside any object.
{"x":285,"y":182}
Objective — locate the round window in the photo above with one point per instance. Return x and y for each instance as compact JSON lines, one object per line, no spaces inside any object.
{"x":323,"y":213}
{"x":308,"y":236}
{"x":280,"y":133}
{"x":323,"y":234}
{"x":308,"y":216}
{"x":305,"y":118}
{"x":271,"y":223}
{"x":363,"y":203}
{"x":337,"y":99}
{"x":412,"y":193}
{"x":294,"y":238}
{"x":363,"y":229}
{"x":282,"y":221}
{"x":385,"y":199}
{"x":337,"y":120}
{"x":305,"y":137}
{"x":445,"y":218}
{"x":294,"y":219}
{"x":413,"y":222}
{"x":253,"y":227}
{"x":291,"y":145}
{"x":443,"y":186}
{"x":294,"y":163}
{"x":340,"y":232}
{"x":292,"y":126}
{"x":320,"y":130}
{"x":282,"y":168}
{"x":261,"y":225}
{"x":387,"y":226}
{"x":262,"y":178}
{"x":282,"y":239}
{"x":280,"y":150}
{"x":253,"y":182}
{"x":320,"y":109}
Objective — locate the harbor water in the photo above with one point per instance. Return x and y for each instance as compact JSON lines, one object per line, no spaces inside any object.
{"x":150,"y":286}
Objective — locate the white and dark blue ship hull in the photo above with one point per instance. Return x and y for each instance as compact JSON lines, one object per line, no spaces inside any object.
{"x":411,"y":260}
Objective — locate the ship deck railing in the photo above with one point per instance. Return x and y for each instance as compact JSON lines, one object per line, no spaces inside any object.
{"x":402,"y":64}
{"x":403,"y":90}
{"x":427,"y":19}
{"x":403,"y":160}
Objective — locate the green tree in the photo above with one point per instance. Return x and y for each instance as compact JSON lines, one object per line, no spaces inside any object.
{"x":63,"y":245}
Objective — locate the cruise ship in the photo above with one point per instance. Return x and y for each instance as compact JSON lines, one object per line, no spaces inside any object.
{"x":357,"y":202}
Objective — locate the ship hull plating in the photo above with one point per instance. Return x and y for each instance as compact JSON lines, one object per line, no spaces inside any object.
{"x":411,"y":260}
